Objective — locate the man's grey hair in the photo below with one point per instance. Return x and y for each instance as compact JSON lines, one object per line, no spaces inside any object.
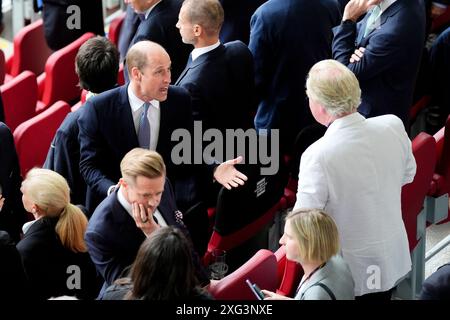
{"x":333,"y":86}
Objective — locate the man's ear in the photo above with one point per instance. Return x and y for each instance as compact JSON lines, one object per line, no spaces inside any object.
{"x":198,"y":30}
{"x":136,"y":73}
{"x":123,"y":183}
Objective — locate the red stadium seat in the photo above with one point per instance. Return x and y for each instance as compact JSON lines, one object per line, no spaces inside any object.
{"x":30,"y":50}
{"x":115,"y":27}
{"x":19,"y":99}
{"x":289,"y":273}
{"x":260,"y":269}
{"x":60,"y":81}
{"x":33,"y":137}
{"x":414,"y":215}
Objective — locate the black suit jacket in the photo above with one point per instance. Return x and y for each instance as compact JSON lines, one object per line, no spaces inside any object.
{"x":64,"y":156}
{"x":221,"y":86}
{"x":57,"y":19}
{"x":287,"y":38}
{"x":12,"y":215}
{"x":236,"y":25}
{"x":114,"y":239}
{"x":387,"y":72}
{"x":160,"y":27}
{"x":46,"y":263}
{"x":107,"y":133}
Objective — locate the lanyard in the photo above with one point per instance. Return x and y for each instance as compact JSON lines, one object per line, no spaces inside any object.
{"x":308,"y":277}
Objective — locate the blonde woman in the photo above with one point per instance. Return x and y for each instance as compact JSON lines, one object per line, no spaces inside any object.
{"x":53,"y":249}
{"x":311,"y":239}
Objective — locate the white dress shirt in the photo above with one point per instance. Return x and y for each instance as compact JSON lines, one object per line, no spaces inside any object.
{"x":127,"y":206}
{"x":199,"y":51}
{"x":355,"y":173}
{"x":153,"y":115}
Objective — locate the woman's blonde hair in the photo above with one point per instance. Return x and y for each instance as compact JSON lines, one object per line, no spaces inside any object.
{"x":316,"y":234}
{"x":50,"y":192}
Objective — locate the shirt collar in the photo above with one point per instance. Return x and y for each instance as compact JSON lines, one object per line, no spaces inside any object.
{"x":344,"y":122}
{"x":123,"y":202}
{"x":150,"y":9}
{"x":386,"y":4}
{"x":137,"y":103}
{"x":197,"y":52}
{"x":28,"y":225}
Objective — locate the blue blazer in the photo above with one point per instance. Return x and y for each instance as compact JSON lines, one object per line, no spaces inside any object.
{"x":221,"y":86}
{"x":107,"y":133}
{"x":64,"y":157}
{"x":160,"y":27}
{"x":113,"y":239}
{"x":388,"y":70}
{"x":236,"y":25}
{"x":287,"y":38}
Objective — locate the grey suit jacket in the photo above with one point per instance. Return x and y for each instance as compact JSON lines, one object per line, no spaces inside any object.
{"x":336,"y":276}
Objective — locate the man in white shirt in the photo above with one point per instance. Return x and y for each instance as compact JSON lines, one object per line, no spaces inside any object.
{"x":355,"y":173}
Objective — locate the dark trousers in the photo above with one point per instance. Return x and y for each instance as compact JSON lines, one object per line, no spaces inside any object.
{"x":377,"y":296}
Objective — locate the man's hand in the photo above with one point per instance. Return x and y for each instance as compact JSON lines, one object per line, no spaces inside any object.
{"x":144,"y":219}
{"x":269,"y":295}
{"x":228,"y":176}
{"x":357,"y":55}
{"x":356,"y":8}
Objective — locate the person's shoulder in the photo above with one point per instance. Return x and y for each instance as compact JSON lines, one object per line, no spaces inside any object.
{"x":177,"y":92}
{"x":387,"y":119}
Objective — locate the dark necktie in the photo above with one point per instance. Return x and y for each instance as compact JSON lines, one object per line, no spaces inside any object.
{"x":144,"y":128}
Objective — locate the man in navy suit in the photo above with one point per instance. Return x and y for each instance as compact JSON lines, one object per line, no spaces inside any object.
{"x":143,"y":203}
{"x":218,"y":77}
{"x":384,"y":51}
{"x":158,"y":24}
{"x":110,"y":127}
{"x":110,"y":123}
{"x":287,"y":38}
{"x":97,"y":65}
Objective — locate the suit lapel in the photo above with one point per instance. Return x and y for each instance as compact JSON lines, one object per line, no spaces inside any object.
{"x":126,"y":119}
{"x":389,"y":12}
{"x":200,"y":60}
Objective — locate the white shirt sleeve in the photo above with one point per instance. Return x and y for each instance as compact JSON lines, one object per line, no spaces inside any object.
{"x":312,"y":189}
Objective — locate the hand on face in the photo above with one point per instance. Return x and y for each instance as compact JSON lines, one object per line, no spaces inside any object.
{"x":143,"y":216}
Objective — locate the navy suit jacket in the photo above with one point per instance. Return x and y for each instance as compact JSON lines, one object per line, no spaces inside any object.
{"x":107,"y":133}
{"x":236,"y":25}
{"x":64,"y":156}
{"x":113,"y":239}
{"x":437,"y":286}
{"x":221,"y":86}
{"x":160,"y":27}
{"x":387,"y":72}
{"x":287,"y":38}
{"x":12,"y":216}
